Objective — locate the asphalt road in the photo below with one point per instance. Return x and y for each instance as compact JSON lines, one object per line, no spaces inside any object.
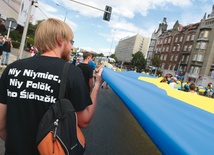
{"x":114,"y":131}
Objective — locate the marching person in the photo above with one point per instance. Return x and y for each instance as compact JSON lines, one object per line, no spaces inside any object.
{"x":29,"y":86}
{"x":7,"y":45}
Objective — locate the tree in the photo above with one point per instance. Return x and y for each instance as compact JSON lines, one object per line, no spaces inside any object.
{"x":138,"y":60}
{"x":113,"y":56}
{"x":156,"y":61}
{"x":100,"y":55}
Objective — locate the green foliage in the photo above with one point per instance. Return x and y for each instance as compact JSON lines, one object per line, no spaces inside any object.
{"x":16,"y":35}
{"x":114,"y":57}
{"x":30,"y":41}
{"x":31,"y":30}
{"x":156,"y":61}
{"x":16,"y":44}
{"x":100,"y":55}
{"x":138,"y":60}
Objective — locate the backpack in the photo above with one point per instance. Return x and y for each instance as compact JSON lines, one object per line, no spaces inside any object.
{"x":58,"y":132}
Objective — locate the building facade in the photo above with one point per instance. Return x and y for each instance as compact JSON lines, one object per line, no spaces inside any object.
{"x":188,"y":49}
{"x":153,"y":42}
{"x":130,"y":45}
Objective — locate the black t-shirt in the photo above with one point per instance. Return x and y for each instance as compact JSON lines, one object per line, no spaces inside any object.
{"x":6,"y":47}
{"x":87,"y":72}
{"x":28,"y":87}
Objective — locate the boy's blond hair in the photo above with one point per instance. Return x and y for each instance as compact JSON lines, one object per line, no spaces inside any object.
{"x":49,"y":31}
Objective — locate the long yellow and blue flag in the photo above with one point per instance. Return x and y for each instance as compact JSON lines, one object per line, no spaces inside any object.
{"x":177,"y":122}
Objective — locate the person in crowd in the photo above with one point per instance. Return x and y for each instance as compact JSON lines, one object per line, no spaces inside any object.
{"x":164,"y":79}
{"x":92,"y":63}
{"x":210,"y":89}
{"x":192,"y":88}
{"x":7,"y":45}
{"x":32,"y":50}
{"x":29,"y":86}
{"x":186,"y":87}
{"x":110,"y":66}
{"x":87,"y":70}
{"x":1,"y":45}
{"x":173,"y":82}
{"x":74,"y":60}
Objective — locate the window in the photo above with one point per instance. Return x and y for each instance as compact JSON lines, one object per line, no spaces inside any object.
{"x":163,"y":64}
{"x":181,"y":38}
{"x":163,"y":49}
{"x":203,"y":45}
{"x":189,"y":48}
{"x":191,"y":69}
{"x":193,"y":37}
{"x":182,"y":58}
{"x":206,"y":33}
{"x":171,"y":57}
{"x":173,"y":48}
{"x":201,"y":34}
{"x":169,"y":66}
{"x":178,"y":48}
{"x":167,"y":48}
{"x":176,"y":39}
{"x":200,"y":58}
{"x":197,"y":45}
{"x":187,"y":39}
{"x":176,"y":58}
{"x":161,"y":57}
{"x":169,"y":40}
{"x":165,"y":56}
{"x":185,"y":48}
{"x":187,"y":59}
{"x":196,"y":70}
{"x":185,"y":68}
{"x":165,"y":40}
{"x":194,"y":57}
{"x":173,"y":67}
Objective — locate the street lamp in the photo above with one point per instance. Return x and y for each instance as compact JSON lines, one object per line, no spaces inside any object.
{"x":112,"y":42}
{"x":33,"y":3}
{"x":66,"y":11}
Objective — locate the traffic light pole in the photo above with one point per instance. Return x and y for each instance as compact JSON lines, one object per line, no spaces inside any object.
{"x":105,"y":11}
{"x":90,"y":6}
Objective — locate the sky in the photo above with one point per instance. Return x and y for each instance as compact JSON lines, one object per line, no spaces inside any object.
{"x":128,"y":18}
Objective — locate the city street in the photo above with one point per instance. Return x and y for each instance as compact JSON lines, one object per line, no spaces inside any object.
{"x":113,"y":130}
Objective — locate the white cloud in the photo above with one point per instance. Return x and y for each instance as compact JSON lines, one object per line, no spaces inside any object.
{"x":125,"y":8}
{"x":124,"y":13}
{"x":45,"y":11}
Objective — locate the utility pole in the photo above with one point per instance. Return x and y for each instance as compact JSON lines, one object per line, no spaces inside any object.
{"x":26,"y":28}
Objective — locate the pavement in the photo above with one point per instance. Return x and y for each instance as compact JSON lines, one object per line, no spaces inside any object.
{"x":13,"y":57}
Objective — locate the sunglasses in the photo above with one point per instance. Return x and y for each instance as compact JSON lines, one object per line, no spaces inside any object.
{"x":72,"y":42}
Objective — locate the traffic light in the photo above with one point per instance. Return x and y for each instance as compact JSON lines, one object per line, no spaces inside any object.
{"x":107,"y":13}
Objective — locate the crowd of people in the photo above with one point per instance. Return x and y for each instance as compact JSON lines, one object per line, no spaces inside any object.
{"x":187,"y":86}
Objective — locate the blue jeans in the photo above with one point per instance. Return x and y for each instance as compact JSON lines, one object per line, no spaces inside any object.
{"x":5,"y":55}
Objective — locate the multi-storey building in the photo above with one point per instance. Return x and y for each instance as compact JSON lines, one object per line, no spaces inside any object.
{"x":130,"y":45}
{"x":153,"y":42}
{"x":189,"y":49}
